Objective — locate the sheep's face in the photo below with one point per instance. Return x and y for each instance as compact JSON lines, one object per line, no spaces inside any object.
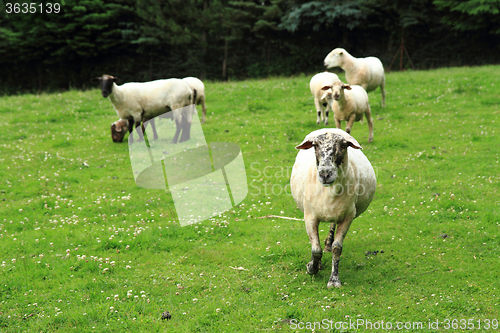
{"x":334,"y":58}
{"x":337,"y":90}
{"x":106,"y":82}
{"x":330,"y":150}
{"x":118,"y":130}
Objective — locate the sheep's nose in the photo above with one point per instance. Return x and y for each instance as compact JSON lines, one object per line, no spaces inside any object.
{"x":324,"y":173}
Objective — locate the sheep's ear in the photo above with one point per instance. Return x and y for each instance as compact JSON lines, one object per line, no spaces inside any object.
{"x":326,"y":87}
{"x":346,"y":86}
{"x":116,"y":79}
{"x":353,"y":145}
{"x":305,"y":145}
{"x":341,"y":53}
{"x":96,"y":79}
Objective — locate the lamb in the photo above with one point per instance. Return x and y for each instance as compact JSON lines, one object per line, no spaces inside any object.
{"x":366,"y":72}
{"x":349,"y":103}
{"x":317,"y":82}
{"x":196,"y":84}
{"x":333,"y":182}
{"x":136,"y":102}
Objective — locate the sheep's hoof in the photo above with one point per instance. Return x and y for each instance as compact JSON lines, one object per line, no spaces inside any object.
{"x":327,"y":248}
{"x":370,"y":140}
{"x":335,"y":283}
{"x":311,"y":270}
{"x":317,"y":122}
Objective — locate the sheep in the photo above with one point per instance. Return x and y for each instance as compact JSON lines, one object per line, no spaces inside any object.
{"x":349,"y":103}
{"x":366,"y":72}
{"x":196,"y":84}
{"x":317,"y":82}
{"x":136,"y":102}
{"x":333,"y":182}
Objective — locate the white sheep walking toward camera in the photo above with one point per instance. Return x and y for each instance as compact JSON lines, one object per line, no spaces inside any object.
{"x":331,"y":181}
{"x":366,"y":72}
{"x":349,"y":103}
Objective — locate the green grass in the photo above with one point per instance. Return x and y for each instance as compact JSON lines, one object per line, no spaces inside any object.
{"x":84,"y":249}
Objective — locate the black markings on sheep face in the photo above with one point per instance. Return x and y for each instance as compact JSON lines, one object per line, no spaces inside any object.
{"x":330,"y":150}
{"x":107,"y":84}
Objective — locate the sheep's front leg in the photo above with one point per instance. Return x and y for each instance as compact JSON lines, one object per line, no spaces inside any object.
{"x":312,"y":231}
{"x":178,"y":127}
{"x":130,"y":123}
{"x":337,"y":122}
{"x":186,"y":130}
{"x":350,"y":122}
{"x":153,"y":127}
{"x":342,"y":229}
{"x":329,"y":239}
{"x":140,"y":132}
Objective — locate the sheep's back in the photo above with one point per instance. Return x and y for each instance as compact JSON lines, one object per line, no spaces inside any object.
{"x":156,"y":96}
{"x":320,"y":80}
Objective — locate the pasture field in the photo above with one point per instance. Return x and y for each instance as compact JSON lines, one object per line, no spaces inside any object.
{"x":83,"y":249}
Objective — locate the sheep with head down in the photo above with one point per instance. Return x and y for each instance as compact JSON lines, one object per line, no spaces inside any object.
{"x":367,"y":72}
{"x":331,"y":181}
{"x":137,"y":102}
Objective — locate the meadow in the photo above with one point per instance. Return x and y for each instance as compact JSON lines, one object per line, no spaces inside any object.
{"x":83,"y":249}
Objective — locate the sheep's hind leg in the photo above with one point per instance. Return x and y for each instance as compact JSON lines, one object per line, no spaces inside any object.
{"x":177,"y":131}
{"x":368,"y":116}
{"x":327,"y":110}
{"x":329,"y":239}
{"x":342,"y":229}
{"x":319,"y":110}
{"x":312,"y":231}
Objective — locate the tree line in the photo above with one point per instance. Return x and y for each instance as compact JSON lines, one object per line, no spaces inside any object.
{"x":234,"y":39}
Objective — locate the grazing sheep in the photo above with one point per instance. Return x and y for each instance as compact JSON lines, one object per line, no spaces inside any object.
{"x":196,"y":84}
{"x":317,"y":82}
{"x":349,"y":103}
{"x":366,"y":72}
{"x":136,"y":102}
{"x":332,"y":182}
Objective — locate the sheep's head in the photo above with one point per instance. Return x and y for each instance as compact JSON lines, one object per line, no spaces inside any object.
{"x":118,"y":130}
{"x":335,"y":58}
{"x":106,"y":84}
{"x":336,"y":90}
{"x":330,"y":150}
